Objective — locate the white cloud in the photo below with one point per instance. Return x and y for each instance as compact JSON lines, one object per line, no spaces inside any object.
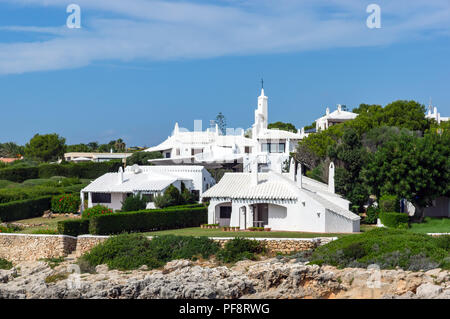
{"x":157,"y":30}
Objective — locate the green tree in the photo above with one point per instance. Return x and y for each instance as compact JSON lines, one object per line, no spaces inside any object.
{"x":282,"y":126}
{"x":11,"y":149}
{"x":78,"y":148}
{"x":414,"y":168}
{"x":171,"y":197}
{"x":141,"y":158}
{"x":221,"y":122}
{"x":45,"y":148}
{"x":134,"y":203}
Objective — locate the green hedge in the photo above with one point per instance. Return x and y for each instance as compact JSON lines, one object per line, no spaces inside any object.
{"x":148,"y":220}
{"x":394,"y":220}
{"x":24,"y":209}
{"x":389,"y":203}
{"x":89,"y":170}
{"x":19,"y":174}
{"x":73,"y":227}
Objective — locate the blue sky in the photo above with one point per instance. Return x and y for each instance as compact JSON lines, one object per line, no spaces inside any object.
{"x":137,"y":66}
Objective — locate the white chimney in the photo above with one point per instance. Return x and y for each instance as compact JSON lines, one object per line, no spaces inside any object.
{"x":327,"y":110}
{"x":339,"y":107}
{"x":120,"y":178}
{"x":292,"y":169}
{"x":331,"y":178}
{"x":299,"y":175}
{"x":254,"y":173}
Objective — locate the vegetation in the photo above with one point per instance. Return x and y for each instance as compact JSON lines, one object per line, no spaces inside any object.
{"x":134,"y":203}
{"x":97,"y":210}
{"x":240,"y":248}
{"x":387,"y":248}
{"x":282,"y":126}
{"x":221,"y":122}
{"x":394,"y":220}
{"x":141,"y":158}
{"x":73,"y":227}
{"x":66,"y":203}
{"x":23,"y":209}
{"x":5,"y":264}
{"x":45,"y":148}
{"x":173,"y":197}
{"x":147,"y":220}
{"x":431,"y":225}
{"x":131,"y":251}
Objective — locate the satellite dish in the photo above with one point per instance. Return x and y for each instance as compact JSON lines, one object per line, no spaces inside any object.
{"x":136,"y":169}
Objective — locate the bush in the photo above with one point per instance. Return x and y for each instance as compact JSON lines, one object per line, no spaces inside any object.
{"x":394,"y":220}
{"x":67,"y":203}
{"x":45,"y":231}
{"x":5,"y":264}
{"x":147,"y":220}
{"x":371,"y":215}
{"x":389,"y":203}
{"x":240,"y":248}
{"x":97,"y":210}
{"x":19,"y":174}
{"x":134,"y":203}
{"x":131,"y":251}
{"x":24,"y":209}
{"x":387,"y":248}
{"x":73,"y":227}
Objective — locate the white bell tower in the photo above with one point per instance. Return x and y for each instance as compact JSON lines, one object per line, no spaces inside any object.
{"x":261,"y":113}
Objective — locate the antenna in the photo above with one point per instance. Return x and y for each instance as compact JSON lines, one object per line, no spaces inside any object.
{"x":262,"y":83}
{"x":430,"y":105}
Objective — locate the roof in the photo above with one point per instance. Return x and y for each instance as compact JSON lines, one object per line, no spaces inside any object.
{"x":8,"y":159}
{"x":238,"y":185}
{"x":149,"y":178}
{"x":97,"y":155}
{"x":277,"y":134}
{"x":340,"y":115}
{"x":274,"y":186}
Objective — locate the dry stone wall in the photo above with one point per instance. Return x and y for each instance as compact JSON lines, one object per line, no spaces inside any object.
{"x":25,"y":247}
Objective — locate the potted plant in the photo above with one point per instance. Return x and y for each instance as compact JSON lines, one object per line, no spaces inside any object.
{"x":267,"y":229}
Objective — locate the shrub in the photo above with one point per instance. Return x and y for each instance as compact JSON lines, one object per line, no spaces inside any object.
{"x":147,"y":220}
{"x":386,"y":247}
{"x":45,"y":231}
{"x":240,"y":248}
{"x":134,"y":203}
{"x":394,"y":220}
{"x":96,"y":210}
{"x":389,"y":203}
{"x":5,"y":264}
{"x":24,"y":209}
{"x":19,"y":174}
{"x":73,"y":227}
{"x":130,"y":251}
{"x":67,"y":203}
{"x":171,"y":197}
{"x":371,"y":215}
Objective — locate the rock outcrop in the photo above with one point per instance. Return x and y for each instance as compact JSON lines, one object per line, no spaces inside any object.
{"x":270,"y":278}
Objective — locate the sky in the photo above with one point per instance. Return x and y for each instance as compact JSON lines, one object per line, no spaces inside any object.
{"x":136,"y":67}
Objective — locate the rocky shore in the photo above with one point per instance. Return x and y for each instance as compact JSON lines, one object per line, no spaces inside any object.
{"x":269,"y":278}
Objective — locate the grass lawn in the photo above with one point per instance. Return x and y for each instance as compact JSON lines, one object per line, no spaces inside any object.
{"x":432,"y":225}
{"x":48,"y":223}
{"x":197,"y":231}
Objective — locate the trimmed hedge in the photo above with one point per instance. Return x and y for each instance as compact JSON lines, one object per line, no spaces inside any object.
{"x":389,"y":203}
{"x":147,"y":220}
{"x":24,"y":209}
{"x":394,"y":220}
{"x":89,"y":170}
{"x":19,"y":174}
{"x":73,"y":227}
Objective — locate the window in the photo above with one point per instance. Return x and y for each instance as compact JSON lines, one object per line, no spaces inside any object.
{"x":247,"y":150}
{"x":273,"y":147}
{"x":101,"y":197}
{"x":225,"y":212}
{"x":168,"y":155}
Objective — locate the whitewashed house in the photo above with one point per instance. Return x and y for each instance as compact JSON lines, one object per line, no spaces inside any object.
{"x":435,"y":115}
{"x":280,"y":201}
{"x":212,"y":149}
{"x":111,"y":189}
{"x":335,"y":117}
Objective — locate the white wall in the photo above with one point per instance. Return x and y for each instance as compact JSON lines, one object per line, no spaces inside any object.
{"x":336,"y":223}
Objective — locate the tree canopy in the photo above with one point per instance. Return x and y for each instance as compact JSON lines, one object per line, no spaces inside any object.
{"x":282,"y":126}
{"x":141,"y":158}
{"x":45,"y":148}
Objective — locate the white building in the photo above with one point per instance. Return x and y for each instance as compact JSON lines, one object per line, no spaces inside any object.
{"x":213,"y":149}
{"x":289,"y":202}
{"x":435,"y":115}
{"x":95,"y":157}
{"x":111,"y":189}
{"x":335,"y":117}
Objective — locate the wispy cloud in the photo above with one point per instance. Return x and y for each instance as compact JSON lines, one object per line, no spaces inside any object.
{"x":161,"y":30}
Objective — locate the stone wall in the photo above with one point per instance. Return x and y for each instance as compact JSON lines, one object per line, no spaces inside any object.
{"x":25,"y":247}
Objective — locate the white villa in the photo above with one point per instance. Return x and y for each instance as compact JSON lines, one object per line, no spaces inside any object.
{"x":280,"y":201}
{"x":95,"y":157}
{"x":435,"y":115}
{"x":213,"y":149}
{"x":335,"y":117}
{"x":111,"y":189}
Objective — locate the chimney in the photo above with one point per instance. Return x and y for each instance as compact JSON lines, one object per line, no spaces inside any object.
{"x":292,"y":169}
{"x":120,"y":179}
{"x":299,"y":175}
{"x":327,"y":110}
{"x":254,"y":173}
{"x":339,"y":107}
{"x":331,"y":178}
